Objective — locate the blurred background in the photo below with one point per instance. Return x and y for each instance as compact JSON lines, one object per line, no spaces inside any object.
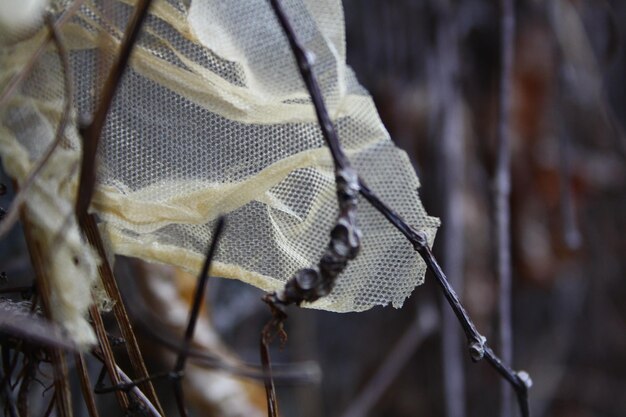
{"x":433,"y":68}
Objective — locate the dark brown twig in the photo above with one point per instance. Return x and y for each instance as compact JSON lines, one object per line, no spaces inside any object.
{"x":310,"y":284}
{"x":59,"y":364}
{"x":92,"y":133}
{"x":120,"y":375}
{"x":105,"y":352}
{"x":194,"y":313}
{"x":203,"y":279}
{"x":51,"y":405}
{"x":478,"y":349}
{"x":502,"y":193}
{"x":304,"y":60}
{"x":119,"y":310}
{"x":85,"y":385}
{"x":13,"y":214}
{"x":266,"y":363}
{"x":184,"y":351}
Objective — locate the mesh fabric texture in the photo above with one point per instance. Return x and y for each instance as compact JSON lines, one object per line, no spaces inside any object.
{"x":212,"y":118}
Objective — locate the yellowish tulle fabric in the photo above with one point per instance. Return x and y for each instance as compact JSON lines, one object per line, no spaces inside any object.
{"x":213,"y":118}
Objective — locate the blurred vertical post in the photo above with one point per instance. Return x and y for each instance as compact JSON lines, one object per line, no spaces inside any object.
{"x":451,"y":156}
{"x":502,"y":192}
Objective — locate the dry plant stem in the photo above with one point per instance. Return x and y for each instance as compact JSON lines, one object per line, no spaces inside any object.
{"x":132,"y":389}
{"x":194,"y":313}
{"x":140,"y":395}
{"x":179,"y":396}
{"x":126,"y":386}
{"x":477,"y":343}
{"x":21,"y":76}
{"x":198,"y":298}
{"x":183,"y":353}
{"x":13,"y":214}
{"x":90,"y":229}
{"x":270,"y":389}
{"x":91,"y":136}
{"x":85,"y":385}
{"x":57,"y":357}
{"x":93,"y":131}
{"x":107,"y":354}
{"x":451,"y":171}
{"x":502,"y":193}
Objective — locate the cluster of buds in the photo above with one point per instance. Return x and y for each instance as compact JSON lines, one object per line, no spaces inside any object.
{"x":310,"y":284}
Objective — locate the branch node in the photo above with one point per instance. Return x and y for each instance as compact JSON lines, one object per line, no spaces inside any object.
{"x":477,"y":348}
{"x":420,"y":243}
{"x":525,"y":378}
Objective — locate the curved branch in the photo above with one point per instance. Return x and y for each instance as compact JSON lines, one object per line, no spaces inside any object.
{"x":478,"y":348}
{"x":310,"y":284}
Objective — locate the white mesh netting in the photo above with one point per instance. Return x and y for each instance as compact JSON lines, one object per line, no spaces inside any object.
{"x":212,"y":117}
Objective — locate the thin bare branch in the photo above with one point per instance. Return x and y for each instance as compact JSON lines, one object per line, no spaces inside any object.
{"x":502,"y":193}
{"x":477,"y":341}
{"x":93,"y":131}
{"x":478,"y":349}
{"x":203,"y":279}
{"x":310,"y":284}
{"x":106,"y":354}
{"x":270,"y":389}
{"x":85,"y":385}
{"x":61,"y":383}
{"x":91,"y":137}
{"x":304,"y":60}
{"x":90,"y":229}
{"x":194,"y":313}
{"x":120,"y":375}
{"x":28,"y":373}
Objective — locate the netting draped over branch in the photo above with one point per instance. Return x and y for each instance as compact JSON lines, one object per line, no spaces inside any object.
{"x":212,"y":117}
